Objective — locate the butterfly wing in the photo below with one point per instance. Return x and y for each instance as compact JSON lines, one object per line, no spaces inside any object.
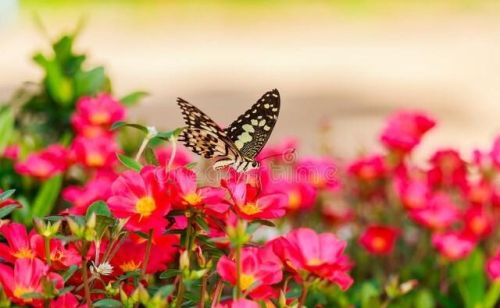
{"x":203,"y":136}
{"x":251,"y":130}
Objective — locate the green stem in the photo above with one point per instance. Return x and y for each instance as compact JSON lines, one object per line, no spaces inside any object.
{"x":142,"y":148}
{"x":85,"y":276}
{"x":46,"y":241}
{"x":238,"y":270}
{"x":149,"y":244}
{"x":203,"y":291}
{"x":172,"y":153}
{"x":188,"y":247}
{"x":303,"y":295}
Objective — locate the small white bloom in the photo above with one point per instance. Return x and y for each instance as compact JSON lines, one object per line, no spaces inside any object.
{"x":104,"y":269}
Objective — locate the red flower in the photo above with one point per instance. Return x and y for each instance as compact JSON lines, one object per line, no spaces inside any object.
{"x":493,"y":267}
{"x":478,"y":223}
{"x":141,"y":197}
{"x":26,"y":277}
{"x":94,"y":115}
{"x":319,"y":254}
{"x":95,"y":153}
{"x":448,"y":169}
{"x":439,"y":213}
{"x":453,"y":245}
{"x":370,"y":168}
{"x":46,"y":163}
{"x":240,"y":303}
{"x":260,"y":269}
{"x":405,"y":129}
{"x":67,"y":300}
{"x":379,"y":240}
{"x":131,"y":254}
{"x":60,"y":256}
{"x":18,"y":243}
{"x":250,"y":203}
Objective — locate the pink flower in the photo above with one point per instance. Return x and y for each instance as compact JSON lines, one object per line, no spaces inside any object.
{"x":439,"y":213}
{"x":379,"y":240}
{"x":250,"y":203}
{"x":11,"y":152}
{"x":18,"y":243}
{"x":26,"y":277}
{"x":414,"y":194}
{"x":46,"y":163}
{"x":240,"y":303}
{"x":405,"y":129}
{"x":282,"y":152}
{"x":141,"y":197}
{"x":448,"y":169}
{"x":319,"y":172}
{"x":370,"y":168}
{"x":260,"y":269}
{"x":493,"y":267}
{"x":318,"y":254}
{"x":99,"y":152}
{"x":94,"y":115}
{"x":67,"y":300}
{"x":301,"y":195}
{"x":181,"y":159}
{"x":188,"y":193}
{"x":61,"y":257}
{"x":495,"y":152}
{"x":453,"y":245}
{"x":82,"y":197}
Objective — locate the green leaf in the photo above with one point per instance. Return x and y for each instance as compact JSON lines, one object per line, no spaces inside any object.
{"x":121,"y":124}
{"x":99,"y":208}
{"x":6,"y":210}
{"x":32,"y":295}
{"x":424,"y":299}
{"x":167,"y":135}
{"x":151,"y":157}
{"x":6,"y":127}
{"x":132,"y":98}
{"x":69,"y":272}
{"x":129,"y":162}
{"x":7,"y":194}
{"x":170,"y":273}
{"x":47,"y":196}
{"x":165,"y":291}
{"x":90,"y":82}
{"x":191,"y":165}
{"x":470,"y":278}
{"x":65,"y":290}
{"x":108,"y":302}
{"x":202,"y":223}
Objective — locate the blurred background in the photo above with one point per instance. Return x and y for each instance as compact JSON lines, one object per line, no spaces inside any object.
{"x":345,"y":63}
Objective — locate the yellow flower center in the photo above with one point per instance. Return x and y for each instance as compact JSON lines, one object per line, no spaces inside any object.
{"x":314,"y":262}
{"x":24,"y":253}
{"x":250,"y":209}
{"x":101,"y":117}
{"x":91,"y":131}
{"x":95,"y":160}
{"x":193,"y":199}
{"x":367,"y":173}
{"x":145,"y":206}
{"x":130,"y":266}
{"x":379,"y":243}
{"x":294,"y":200}
{"x":19,"y":291}
{"x":246,"y":281}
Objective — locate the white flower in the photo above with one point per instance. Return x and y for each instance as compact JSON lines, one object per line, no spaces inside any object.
{"x":104,"y":269}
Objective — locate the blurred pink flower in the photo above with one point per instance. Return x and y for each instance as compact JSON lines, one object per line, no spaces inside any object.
{"x":142,"y":198}
{"x":99,"y":152}
{"x":414,"y":194}
{"x":439,"y":213}
{"x":478,"y":223}
{"x":300,"y":195}
{"x":405,"y":129}
{"x":46,"y":163}
{"x":240,"y":303}
{"x":319,"y":172}
{"x":319,"y":254}
{"x":11,"y":152}
{"x":369,"y":168}
{"x":453,"y":245}
{"x":493,"y":267}
{"x":95,"y":115}
{"x":181,"y":159}
{"x":379,"y":240}
{"x":81,"y":197}
{"x":448,"y":169}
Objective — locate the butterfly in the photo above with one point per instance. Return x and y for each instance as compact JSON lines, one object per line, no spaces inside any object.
{"x":238,"y":144}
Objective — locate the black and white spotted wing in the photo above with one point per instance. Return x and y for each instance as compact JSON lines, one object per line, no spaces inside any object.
{"x":251,"y":130}
{"x":202,"y":135}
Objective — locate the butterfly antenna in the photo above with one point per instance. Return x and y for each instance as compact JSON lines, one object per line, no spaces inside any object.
{"x":285,"y":154}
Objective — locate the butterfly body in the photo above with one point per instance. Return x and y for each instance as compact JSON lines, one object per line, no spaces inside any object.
{"x":238,"y":145}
